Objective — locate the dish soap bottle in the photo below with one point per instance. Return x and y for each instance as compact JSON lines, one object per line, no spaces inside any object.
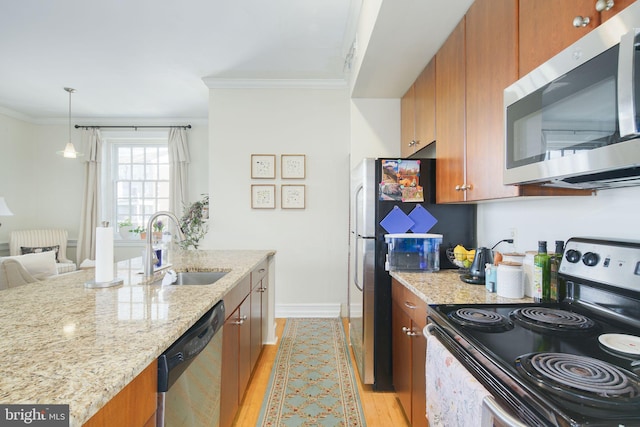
{"x":541,"y":285}
{"x":554,"y":265}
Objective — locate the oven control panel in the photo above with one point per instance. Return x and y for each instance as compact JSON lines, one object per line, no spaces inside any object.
{"x":615,"y":263}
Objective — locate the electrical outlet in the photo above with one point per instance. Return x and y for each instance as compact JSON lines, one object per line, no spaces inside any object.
{"x":513,"y":234}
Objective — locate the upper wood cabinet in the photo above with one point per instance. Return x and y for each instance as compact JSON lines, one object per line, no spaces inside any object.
{"x":546,"y":26}
{"x":491,"y":65}
{"x":474,"y":65}
{"x":418,"y":128}
{"x":407,"y":122}
{"x":450,"y":118}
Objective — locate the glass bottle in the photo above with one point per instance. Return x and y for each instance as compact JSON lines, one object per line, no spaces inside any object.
{"x":554,"y":265}
{"x":541,"y":286}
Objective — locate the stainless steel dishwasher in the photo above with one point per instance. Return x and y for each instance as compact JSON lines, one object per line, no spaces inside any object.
{"x":189,"y":375}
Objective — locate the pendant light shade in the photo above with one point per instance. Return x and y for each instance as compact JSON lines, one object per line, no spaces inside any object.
{"x":69,"y":151}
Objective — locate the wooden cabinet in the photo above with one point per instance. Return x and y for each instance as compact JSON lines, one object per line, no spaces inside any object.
{"x":235,"y":351}
{"x":450,"y":117}
{"x":546,"y":27}
{"x":135,"y":405}
{"x":417,"y":125}
{"x":407,"y":122}
{"x":242,"y":339}
{"x":474,"y":65}
{"x":491,"y":65}
{"x":258,"y":310}
{"x":408,"y":318}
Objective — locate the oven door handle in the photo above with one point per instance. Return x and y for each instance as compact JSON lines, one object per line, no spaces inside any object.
{"x":491,"y":410}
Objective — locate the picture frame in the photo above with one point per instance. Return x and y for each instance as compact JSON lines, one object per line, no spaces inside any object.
{"x":263,"y":196}
{"x":293,"y":196}
{"x":263,"y":166}
{"x":293,"y":166}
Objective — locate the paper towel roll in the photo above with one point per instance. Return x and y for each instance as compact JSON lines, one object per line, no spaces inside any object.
{"x":104,"y":254}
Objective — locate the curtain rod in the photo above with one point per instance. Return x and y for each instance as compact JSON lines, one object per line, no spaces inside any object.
{"x":129,"y":127}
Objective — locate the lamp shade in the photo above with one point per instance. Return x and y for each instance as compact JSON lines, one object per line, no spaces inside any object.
{"x":4,"y":209}
{"x":69,"y":151}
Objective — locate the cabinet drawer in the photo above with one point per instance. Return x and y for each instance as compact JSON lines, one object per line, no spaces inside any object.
{"x":236,"y":295}
{"x":410,"y":303}
{"x":258,"y":273}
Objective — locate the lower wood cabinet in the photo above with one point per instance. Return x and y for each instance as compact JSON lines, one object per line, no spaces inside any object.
{"x":409,"y":350}
{"x":135,"y":405}
{"x":241,"y":340}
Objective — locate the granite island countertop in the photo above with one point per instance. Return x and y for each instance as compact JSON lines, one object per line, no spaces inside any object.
{"x":445,"y":287}
{"x":63,"y":343}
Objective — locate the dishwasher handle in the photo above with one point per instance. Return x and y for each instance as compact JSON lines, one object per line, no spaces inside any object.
{"x":173,"y":362}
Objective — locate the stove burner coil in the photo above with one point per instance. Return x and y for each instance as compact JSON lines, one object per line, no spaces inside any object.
{"x":551,"y":319}
{"x":478,"y":318}
{"x":581,"y":378}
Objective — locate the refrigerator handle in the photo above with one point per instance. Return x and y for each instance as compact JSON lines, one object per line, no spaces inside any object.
{"x":357,"y":237}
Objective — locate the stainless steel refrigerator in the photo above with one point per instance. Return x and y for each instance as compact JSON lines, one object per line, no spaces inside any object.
{"x":387,"y":196}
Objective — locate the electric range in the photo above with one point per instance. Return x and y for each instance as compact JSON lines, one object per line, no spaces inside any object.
{"x":569,"y":363}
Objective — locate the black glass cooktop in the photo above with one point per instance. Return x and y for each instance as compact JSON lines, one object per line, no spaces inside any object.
{"x":508,"y":334}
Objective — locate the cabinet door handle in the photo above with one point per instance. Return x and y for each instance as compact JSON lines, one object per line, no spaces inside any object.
{"x":261,"y":289}
{"x":463,"y":187}
{"x":409,"y":331}
{"x":409,"y":305}
{"x":602,"y":5}
{"x":581,"y":21}
{"x":262,"y":270}
{"x":240,"y":320}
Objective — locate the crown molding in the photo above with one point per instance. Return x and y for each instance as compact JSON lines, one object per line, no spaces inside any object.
{"x":219,"y":83}
{"x":16,"y":115}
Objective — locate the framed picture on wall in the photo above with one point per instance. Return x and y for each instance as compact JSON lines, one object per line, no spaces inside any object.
{"x":263,"y":166}
{"x":263,"y":196}
{"x":293,"y":196}
{"x":293,"y":166}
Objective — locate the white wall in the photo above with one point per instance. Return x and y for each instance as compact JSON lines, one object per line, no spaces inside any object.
{"x":311,"y":244}
{"x":16,"y":180}
{"x":610,"y":214}
{"x":375,"y":128}
{"x":44,"y":189}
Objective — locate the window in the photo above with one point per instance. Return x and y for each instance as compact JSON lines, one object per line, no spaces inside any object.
{"x":137,"y":179}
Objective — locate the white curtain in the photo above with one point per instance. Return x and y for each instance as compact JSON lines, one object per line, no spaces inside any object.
{"x":179,"y":169}
{"x":92,"y":146}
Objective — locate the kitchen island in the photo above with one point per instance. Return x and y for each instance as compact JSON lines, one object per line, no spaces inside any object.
{"x":445,"y":287}
{"x":67,"y":344}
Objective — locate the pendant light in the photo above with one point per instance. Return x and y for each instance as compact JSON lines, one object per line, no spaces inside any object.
{"x":69,"y":151}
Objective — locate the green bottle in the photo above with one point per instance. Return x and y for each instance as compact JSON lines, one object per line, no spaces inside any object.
{"x":554,"y":265}
{"x":541,"y":285}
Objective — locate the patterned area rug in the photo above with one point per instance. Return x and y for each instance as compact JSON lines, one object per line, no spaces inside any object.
{"x":312,"y":382}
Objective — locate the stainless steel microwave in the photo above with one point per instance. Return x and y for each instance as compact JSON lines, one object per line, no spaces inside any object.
{"x":574,"y":121}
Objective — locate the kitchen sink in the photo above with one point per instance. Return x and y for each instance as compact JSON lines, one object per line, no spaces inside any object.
{"x":198,"y":277}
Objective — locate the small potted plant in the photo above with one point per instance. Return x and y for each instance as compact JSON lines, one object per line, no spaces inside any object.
{"x":193,"y":223}
{"x":141,"y":231}
{"x":158,"y":227}
{"x":124,"y":228}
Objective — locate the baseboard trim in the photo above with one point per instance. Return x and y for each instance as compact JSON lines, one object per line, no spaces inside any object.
{"x":307,"y":310}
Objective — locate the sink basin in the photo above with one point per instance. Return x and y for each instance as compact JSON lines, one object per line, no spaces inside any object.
{"x":199,"y":277}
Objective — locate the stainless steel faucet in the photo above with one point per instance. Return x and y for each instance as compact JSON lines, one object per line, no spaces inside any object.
{"x":149,"y":252}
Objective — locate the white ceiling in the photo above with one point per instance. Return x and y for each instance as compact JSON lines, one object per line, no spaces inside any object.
{"x":148,"y":58}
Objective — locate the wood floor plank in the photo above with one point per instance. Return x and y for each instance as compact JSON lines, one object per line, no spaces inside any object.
{"x":381,"y":409}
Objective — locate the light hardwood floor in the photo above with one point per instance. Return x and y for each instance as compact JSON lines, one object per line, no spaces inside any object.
{"x":381,"y":409}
